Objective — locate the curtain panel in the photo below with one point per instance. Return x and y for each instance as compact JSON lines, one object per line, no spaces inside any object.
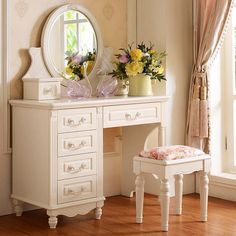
{"x":210,"y":18}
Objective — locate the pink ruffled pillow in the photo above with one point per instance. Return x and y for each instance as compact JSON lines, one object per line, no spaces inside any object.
{"x":171,"y":152}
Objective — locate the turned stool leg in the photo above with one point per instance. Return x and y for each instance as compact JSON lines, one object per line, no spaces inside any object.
{"x":178,"y":193}
{"x":204,"y":195}
{"x":165,"y":201}
{"x":139,"y":189}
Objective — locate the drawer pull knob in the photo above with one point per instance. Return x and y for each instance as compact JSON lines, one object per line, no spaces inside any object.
{"x":129,"y":117}
{"x":73,"y":192}
{"x":73,"y":170}
{"x":47,"y":91}
{"x":71,"y":122}
{"x":73,"y":147}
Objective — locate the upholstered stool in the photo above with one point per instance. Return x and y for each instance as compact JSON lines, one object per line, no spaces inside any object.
{"x":166,"y":162}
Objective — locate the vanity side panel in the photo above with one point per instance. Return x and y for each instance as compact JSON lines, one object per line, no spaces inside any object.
{"x":31,"y":155}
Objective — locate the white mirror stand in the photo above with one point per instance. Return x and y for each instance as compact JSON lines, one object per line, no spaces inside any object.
{"x":42,"y":81}
{"x":53,"y":17}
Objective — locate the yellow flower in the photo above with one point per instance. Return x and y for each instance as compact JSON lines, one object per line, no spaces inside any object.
{"x":152,"y":52}
{"x":154,"y":62}
{"x":69,"y":70}
{"x":134,"y":68}
{"x":89,"y":68}
{"x":136,"y":54}
{"x":160,"y":69}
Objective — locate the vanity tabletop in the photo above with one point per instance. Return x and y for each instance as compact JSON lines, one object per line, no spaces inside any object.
{"x":66,"y":103}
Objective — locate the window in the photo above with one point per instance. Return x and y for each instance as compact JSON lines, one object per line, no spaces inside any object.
{"x":229,"y":97}
{"x":78,"y":33}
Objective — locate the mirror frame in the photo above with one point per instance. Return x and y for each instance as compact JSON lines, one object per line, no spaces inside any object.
{"x":46,"y":35}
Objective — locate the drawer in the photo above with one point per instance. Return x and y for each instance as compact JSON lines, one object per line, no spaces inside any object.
{"x":77,"y":143}
{"x":76,"y":189}
{"x":49,"y":91}
{"x":42,"y":89}
{"x":75,"y":166}
{"x":77,"y":120}
{"x":115,"y":116}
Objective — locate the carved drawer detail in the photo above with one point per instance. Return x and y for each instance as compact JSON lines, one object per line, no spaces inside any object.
{"x":77,"y":143}
{"x":115,"y":116}
{"x":77,"y":120}
{"x":75,"y":166}
{"x":76,"y":189}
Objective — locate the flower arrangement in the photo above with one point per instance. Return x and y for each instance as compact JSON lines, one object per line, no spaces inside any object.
{"x":74,"y":69}
{"x":143,"y":59}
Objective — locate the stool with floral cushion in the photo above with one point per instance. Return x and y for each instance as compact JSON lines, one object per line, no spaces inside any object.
{"x":166,"y":162}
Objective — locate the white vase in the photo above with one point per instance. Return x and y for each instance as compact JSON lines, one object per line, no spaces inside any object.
{"x":122,"y":88}
{"x":140,"y":85}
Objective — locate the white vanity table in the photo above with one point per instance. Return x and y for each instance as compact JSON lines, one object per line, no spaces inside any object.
{"x":58,"y":150}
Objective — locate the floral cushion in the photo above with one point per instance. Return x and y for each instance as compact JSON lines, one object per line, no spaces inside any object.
{"x":171,"y":152}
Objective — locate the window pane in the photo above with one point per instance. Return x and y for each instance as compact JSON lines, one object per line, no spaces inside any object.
{"x":82,"y":16}
{"x":71,"y":38}
{"x":70,"y":15}
{"x":234,"y":45}
{"x":86,"y":38}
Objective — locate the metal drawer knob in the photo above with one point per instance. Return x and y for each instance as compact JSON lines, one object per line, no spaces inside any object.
{"x":129,"y":117}
{"x":73,"y":192}
{"x":47,"y":91}
{"x":74,"y":170}
{"x":73,"y":147}
{"x":71,"y":122}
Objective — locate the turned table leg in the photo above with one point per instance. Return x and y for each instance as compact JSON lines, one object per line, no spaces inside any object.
{"x":98,"y":213}
{"x":18,"y":207}
{"x":52,"y":220}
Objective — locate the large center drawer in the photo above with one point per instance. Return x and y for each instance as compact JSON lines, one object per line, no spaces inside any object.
{"x":75,"y":166}
{"x":76,"y":189}
{"x":115,"y":116}
{"x":77,"y":120}
{"x":77,"y":142}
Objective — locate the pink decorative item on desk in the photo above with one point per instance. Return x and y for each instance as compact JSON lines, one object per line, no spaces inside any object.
{"x":78,"y":89}
{"x":106,"y":86}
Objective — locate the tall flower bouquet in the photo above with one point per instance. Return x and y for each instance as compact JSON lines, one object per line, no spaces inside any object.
{"x":141,"y":60}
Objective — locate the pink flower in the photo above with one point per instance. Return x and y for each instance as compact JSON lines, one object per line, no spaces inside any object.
{"x":123,"y":59}
{"x":76,"y":59}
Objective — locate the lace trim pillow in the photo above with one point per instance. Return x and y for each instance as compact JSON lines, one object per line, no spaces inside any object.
{"x":171,"y":152}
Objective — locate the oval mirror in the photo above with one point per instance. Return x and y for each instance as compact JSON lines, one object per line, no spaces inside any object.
{"x":71,"y":37}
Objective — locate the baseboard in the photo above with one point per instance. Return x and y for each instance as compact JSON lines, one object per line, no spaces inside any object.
{"x":223,"y":186}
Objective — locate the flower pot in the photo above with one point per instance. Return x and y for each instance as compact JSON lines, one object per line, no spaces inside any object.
{"x":140,"y":85}
{"x":122,"y":88}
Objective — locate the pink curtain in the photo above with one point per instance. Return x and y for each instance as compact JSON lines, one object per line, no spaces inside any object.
{"x":210,"y":18}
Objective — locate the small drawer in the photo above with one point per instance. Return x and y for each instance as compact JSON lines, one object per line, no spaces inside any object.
{"x":42,"y":89}
{"x":77,"y":143}
{"x":77,"y":120}
{"x":75,"y":166}
{"x":115,"y":116}
{"x":76,"y":189}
